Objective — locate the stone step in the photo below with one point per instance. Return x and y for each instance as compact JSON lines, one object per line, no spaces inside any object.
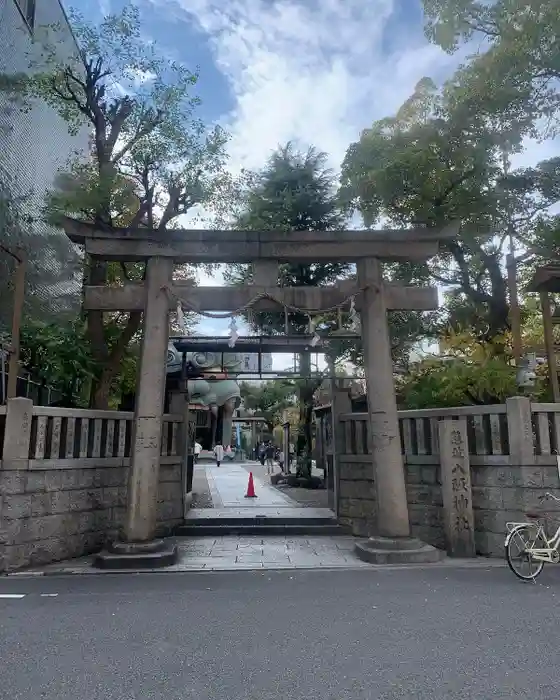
{"x":263,"y":519}
{"x":220,"y":528}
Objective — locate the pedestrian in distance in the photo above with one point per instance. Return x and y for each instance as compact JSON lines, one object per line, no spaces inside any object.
{"x":197,"y":451}
{"x":281,"y":460}
{"x":219,"y":454}
{"x":269,"y":454}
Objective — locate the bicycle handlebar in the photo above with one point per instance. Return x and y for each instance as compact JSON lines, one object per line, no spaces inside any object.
{"x":549,"y":495}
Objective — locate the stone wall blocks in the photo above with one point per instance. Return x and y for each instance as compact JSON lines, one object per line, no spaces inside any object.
{"x":110,"y":497}
{"x":430,"y":535}
{"x":357,"y":489}
{"x":489,"y":544}
{"x":12,"y":482}
{"x":491,"y":520}
{"x":80,"y":500}
{"x":60,"y":501}
{"x":424,"y":494}
{"x":413,"y":473}
{"x":492,"y":476}
{"x":551,"y":480}
{"x":426,"y":516}
{"x":53,"y":479}
{"x":428,"y":475}
{"x":16,"y":506}
{"x":488,"y":497}
{"x":41,"y":504}
{"x":36,"y":482}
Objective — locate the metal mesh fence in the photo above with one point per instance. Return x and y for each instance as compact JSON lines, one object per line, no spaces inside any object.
{"x":35,"y":144}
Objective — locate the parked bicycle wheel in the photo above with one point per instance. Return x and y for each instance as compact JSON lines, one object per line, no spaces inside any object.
{"x":519,"y":559}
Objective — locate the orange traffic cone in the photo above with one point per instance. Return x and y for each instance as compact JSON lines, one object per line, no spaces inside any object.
{"x":250,"y":487}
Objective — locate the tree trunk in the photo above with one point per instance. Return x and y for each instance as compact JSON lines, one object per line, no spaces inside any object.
{"x":111,"y":363}
{"x":304,"y":436}
{"x":95,"y":328}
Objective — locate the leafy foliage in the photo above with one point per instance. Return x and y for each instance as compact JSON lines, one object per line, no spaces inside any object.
{"x":152,"y":160}
{"x":441,"y":384}
{"x":434,"y":162}
{"x":515,"y":71}
{"x":58,"y":354}
{"x":269,"y":399}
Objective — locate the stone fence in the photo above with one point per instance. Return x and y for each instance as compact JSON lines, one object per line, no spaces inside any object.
{"x":468,"y":471}
{"x":63,"y":480}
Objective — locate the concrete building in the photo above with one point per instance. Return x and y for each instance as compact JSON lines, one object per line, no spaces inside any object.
{"x":34,"y":145}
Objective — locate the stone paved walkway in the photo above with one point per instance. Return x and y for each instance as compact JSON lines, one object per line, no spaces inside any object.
{"x":255,"y":553}
{"x":241,"y":553}
{"x":228,"y":486}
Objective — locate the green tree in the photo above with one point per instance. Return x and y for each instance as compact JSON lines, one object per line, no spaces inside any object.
{"x":429,"y":164}
{"x":294,"y":191}
{"x":434,"y":383}
{"x":269,"y":399}
{"x":516,"y":68}
{"x":151,"y":156}
{"x":58,"y":355}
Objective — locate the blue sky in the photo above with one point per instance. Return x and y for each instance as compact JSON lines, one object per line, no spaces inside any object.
{"x":313,"y":71}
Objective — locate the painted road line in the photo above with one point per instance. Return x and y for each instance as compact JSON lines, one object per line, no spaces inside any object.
{"x":12,"y":595}
{"x":49,"y":595}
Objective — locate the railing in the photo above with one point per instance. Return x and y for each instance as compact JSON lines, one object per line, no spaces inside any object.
{"x":68,"y":436}
{"x":488,"y":431}
{"x":546,"y":428}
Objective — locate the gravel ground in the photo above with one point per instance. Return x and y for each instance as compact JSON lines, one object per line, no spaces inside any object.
{"x":315,"y":498}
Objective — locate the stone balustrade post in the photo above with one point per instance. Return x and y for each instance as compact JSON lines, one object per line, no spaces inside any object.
{"x":520,"y":431}
{"x":341,"y":403}
{"x":17,"y":433}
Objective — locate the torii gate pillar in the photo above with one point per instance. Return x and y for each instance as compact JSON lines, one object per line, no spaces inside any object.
{"x":140,"y":546}
{"x":392,"y":543}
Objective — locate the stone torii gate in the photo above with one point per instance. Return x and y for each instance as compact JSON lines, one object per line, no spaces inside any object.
{"x":265,"y":250}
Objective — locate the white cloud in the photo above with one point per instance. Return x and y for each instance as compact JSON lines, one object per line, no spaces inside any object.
{"x":314,"y":72}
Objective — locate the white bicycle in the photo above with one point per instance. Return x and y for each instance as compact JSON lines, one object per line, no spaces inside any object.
{"x":527,"y":544}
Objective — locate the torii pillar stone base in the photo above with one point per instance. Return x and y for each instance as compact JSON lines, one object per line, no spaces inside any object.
{"x":140,"y":548}
{"x":393,"y":543}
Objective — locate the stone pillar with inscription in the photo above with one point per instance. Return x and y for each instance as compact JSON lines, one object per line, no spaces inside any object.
{"x":456,"y":487}
{"x":392,"y":543}
{"x":140,"y":546}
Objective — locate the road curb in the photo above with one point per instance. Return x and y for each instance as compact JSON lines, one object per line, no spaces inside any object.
{"x":446,"y":565}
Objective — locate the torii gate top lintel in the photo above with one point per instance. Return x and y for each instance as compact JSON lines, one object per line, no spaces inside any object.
{"x":201,"y":245}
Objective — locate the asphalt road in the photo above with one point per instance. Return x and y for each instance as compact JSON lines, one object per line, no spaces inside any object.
{"x":316,"y":635}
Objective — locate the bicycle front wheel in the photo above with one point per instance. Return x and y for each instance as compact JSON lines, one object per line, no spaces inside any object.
{"x":518,"y":545}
